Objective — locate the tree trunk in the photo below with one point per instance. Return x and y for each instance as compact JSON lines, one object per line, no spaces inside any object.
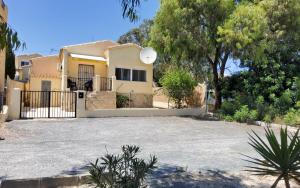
{"x":217,"y":88}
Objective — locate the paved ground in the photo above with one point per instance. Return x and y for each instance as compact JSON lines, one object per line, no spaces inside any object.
{"x":41,"y":148}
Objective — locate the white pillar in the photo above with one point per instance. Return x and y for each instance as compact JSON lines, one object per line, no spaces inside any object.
{"x":80,"y":111}
{"x":97,"y":83}
{"x":64,"y":82}
{"x":114,"y":83}
{"x":64,"y":70}
{"x":14,"y":106}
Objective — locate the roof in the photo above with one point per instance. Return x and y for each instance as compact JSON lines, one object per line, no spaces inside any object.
{"x":97,"y":48}
{"x":125,"y":45}
{"x":95,"y":58}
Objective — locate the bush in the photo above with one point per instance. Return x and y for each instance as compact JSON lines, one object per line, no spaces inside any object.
{"x":245,"y":115}
{"x":178,"y":84}
{"x":122,"y":101}
{"x":261,"y":107}
{"x":228,"y":118}
{"x":292,"y":117}
{"x":228,"y":108}
{"x":284,"y":102}
{"x":124,"y":170}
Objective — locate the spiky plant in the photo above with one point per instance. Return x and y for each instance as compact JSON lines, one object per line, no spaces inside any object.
{"x":121,"y":171}
{"x":279,"y":158}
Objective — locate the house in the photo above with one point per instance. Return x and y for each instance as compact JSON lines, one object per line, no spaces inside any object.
{"x":22,"y":65}
{"x":104,"y":69}
{"x":4,"y":15}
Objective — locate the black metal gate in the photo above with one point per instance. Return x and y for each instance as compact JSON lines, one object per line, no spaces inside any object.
{"x":47,"y":104}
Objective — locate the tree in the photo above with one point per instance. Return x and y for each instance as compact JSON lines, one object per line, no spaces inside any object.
{"x":9,"y":38}
{"x":139,"y":36}
{"x":130,"y":9}
{"x":10,"y":69}
{"x":270,"y":52}
{"x":280,"y":158}
{"x":187,"y":30}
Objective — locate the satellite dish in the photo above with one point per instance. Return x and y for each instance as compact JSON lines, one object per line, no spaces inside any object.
{"x":148,"y":55}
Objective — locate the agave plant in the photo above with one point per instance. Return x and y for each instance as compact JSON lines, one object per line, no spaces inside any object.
{"x":279,"y":158}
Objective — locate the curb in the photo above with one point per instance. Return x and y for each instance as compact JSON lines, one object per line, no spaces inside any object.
{"x":46,"y":182}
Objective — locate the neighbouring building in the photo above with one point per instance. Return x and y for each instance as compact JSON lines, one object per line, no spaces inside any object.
{"x":22,"y":65}
{"x":104,"y":69}
{"x":4,"y":15}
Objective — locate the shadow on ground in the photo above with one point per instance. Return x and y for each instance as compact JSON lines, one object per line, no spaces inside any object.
{"x":168,"y":176}
{"x":176,"y":177}
{"x":76,"y":171}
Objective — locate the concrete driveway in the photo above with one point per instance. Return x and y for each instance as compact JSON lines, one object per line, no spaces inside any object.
{"x":43,"y":148}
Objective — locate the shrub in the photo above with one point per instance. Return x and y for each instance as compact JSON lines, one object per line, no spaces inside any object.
{"x":284,"y":102}
{"x":292,"y":117}
{"x":228,"y":118}
{"x":245,"y":115}
{"x":123,"y":170}
{"x":261,"y":107}
{"x":122,"y":101}
{"x":178,"y":84}
{"x":228,"y":108}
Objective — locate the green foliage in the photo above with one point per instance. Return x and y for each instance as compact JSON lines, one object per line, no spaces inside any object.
{"x":228,"y":108}
{"x":244,"y":115}
{"x":10,"y":68}
{"x":292,"y":117}
{"x":139,"y":35}
{"x":129,"y":8}
{"x":125,"y":170}
{"x":178,"y":84}
{"x":9,"y":38}
{"x":284,"y":102}
{"x":279,"y":157}
{"x":122,"y":101}
{"x":228,"y":118}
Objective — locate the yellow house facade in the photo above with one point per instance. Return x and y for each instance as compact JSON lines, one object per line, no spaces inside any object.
{"x":104,"y":69}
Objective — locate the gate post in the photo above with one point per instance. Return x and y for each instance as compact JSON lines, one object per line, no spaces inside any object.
{"x":14,"y":107}
{"x":80,"y":104}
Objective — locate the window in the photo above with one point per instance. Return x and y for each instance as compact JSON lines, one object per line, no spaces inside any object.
{"x":139,"y":75}
{"x":122,"y":74}
{"x":24,"y":63}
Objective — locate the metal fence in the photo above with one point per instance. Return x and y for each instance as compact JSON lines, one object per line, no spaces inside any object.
{"x":48,"y":104}
{"x":80,"y":84}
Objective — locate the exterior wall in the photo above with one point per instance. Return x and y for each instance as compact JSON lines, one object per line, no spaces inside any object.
{"x":35,"y":83}
{"x":139,"y":100}
{"x":100,"y":68}
{"x":4,"y":15}
{"x":101,"y":100}
{"x":129,"y":57}
{"x":45,"y":67}
{"x":11,"y":84}
{"x":23,"y":71}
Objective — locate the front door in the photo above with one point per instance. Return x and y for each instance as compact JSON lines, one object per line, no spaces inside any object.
{"x":45,"y":94}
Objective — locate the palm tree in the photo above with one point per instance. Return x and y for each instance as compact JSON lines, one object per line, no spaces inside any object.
{"x":280,"y":158}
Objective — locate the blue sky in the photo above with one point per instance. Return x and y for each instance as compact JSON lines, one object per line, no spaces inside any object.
{"x":50,"y":24}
